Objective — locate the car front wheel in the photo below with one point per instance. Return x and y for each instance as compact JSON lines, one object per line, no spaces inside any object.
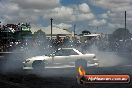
{"x":38,"y":65}
{"x":81,"y":62}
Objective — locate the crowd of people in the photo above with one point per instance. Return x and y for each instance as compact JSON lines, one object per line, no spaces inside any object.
{"x":37,"y":43}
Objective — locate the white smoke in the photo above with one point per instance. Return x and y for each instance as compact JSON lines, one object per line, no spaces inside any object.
{"x":106,"y":58}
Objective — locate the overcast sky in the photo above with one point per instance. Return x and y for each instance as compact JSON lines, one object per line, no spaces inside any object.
{"x":94,"y":15}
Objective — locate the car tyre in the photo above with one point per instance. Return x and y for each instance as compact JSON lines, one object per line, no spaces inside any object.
{"x":38,"y":65}
{"x":81,"y":62}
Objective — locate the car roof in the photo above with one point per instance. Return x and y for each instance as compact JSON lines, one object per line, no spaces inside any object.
{"x":70,"y":49}
{"x":66,"y":48}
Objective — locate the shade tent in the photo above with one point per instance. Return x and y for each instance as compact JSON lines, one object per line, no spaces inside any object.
{"x":92,"y":35}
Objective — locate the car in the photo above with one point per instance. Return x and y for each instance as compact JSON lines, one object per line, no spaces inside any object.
{"x":61,"y":58}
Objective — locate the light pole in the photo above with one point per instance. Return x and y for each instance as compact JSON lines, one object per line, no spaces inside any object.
{"x":51,"y":27}
{"x":74,"y":30}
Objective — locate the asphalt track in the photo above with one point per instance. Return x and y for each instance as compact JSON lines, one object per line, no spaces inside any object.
{"x":60,"y":78}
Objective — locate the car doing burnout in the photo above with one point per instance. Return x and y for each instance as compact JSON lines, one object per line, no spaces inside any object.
{"x":61,"y":58}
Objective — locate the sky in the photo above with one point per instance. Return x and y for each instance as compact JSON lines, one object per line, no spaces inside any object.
{"x":100,"y":16}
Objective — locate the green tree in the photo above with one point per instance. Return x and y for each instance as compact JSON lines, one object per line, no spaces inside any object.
{"x":120,"y":34}
{"x":39,"y":34}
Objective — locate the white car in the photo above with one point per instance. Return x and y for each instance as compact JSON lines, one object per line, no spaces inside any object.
{"x":63,"y":57}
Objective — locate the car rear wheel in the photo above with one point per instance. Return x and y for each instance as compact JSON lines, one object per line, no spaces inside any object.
{"x":81,"y":62}
{"x":38,"y":65}
{"x":95,"y":62}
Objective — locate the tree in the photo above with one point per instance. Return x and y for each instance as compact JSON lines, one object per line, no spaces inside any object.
{"x":39,"y":34}
{"x":120,"y":34}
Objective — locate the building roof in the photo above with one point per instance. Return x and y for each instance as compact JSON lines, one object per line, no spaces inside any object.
{"x":55,"y":31}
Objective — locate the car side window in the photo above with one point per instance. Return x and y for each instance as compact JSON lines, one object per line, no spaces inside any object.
{"x":59,"y":53}
{"x":65,"y":53}
{"x":73,"y":52}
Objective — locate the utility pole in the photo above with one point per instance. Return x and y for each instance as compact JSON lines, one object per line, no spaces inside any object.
{"x":74,"y":30}
{"x":125,"y":34}
{"x":97,"y":29}
{"x":125,"y":20}
{"x":0,"y":26}
{"x":51,"y":27}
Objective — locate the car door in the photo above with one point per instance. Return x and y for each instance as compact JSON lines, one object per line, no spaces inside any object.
{"x":66,"y":57}
{"x":73,"y":56}
{"x":60,"y":58}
